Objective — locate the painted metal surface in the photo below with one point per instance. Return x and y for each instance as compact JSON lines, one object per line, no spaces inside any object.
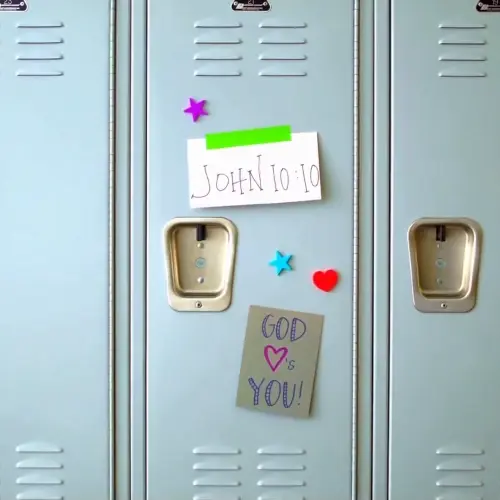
{"x":443,"y":425}
{"x":55,"y":262}
{"x":255,"y":70}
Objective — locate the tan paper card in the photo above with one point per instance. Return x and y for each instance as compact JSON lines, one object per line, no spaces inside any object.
{"x":279,"y":362}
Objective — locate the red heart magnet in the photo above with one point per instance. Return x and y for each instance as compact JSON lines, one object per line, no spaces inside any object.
{"x":326,"y":280}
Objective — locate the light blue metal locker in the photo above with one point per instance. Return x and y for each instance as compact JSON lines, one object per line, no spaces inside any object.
{"x":83,"y":262}
{"x":55,"y":159}
{"x":292,"y":65}
{"x":443,"y":434}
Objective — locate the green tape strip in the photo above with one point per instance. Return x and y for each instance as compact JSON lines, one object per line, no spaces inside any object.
{"x":250,"y":137}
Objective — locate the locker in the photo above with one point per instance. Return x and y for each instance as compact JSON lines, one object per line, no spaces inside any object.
{"x":54,"y":257}
{"x":285,"y":66}
{"x":443,"y":401}
{"x":125,"y":312}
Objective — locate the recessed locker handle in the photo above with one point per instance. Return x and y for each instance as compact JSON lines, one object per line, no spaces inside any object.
{"x":444,"y":263}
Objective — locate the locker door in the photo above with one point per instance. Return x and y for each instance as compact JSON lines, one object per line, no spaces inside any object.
{"x":445,"y":111}
{"x":54,"y":169}
{"x":289,"y":66}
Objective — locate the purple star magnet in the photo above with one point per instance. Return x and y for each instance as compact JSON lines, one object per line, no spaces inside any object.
{"x":196,"y":109}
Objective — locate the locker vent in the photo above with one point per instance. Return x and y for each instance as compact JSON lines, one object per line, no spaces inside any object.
{"x":218,"y":44}
{"x":216,"y":469}
{"x":38,"y":472}
{"x":38,"y":495}
{"x":464,"y":54}
{"x":38,"y":447}
{"x":40,"y":49}
{"x":282,"y":469}
{"x":460,"y":470}
{"x":278,"y":497}
{"x":217,"y":41}
{"x":280,"y":450}
{"x":209,"y":496}
{"x":283,"y":46}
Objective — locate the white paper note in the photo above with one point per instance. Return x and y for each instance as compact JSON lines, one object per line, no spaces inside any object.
{"x":282,"y":172}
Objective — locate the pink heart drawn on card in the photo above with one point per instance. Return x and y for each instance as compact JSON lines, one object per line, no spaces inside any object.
{"x":275,"y":357}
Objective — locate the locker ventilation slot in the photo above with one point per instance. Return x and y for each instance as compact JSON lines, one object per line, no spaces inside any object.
{"x":39,"y":464}
{"x":280,"y":450}
{"x":38,"y":480}
{"x":459,"y":450}
{"x":462,"y":26}
{"x":284,"y":467}
{"x":279,"y":23}
{"x":213,"y":483}
{"x":38,"y":495}
{"x":38,"y":42}
{"x":276,"y":467}
{"x":39,"y":73}
{"x":465,"y":58}
{"x":283,"y":53}
{"x":219,"y":43}
{"x":222,"y":471}
{"x":216,"y":55}
{"x":38,"y":447}
{"x":216,"y":23}
{"x":281,"y":39}
{"x":40,"y":57}
{"x":280,"y":483}
{"x":281,"y":72}
{"x":282,"y":56}
{"x":459,"y":466}
{"x":216,"y":450}
{"x":461,"y":473}
{"x":57,"y":24}
{"x":208,"y":496}
{"x":459,"y":481}
{"x":217,"y":39}
{"x":32,"y":40}
{"x":462,"y":42}
{"x":461,"y":496}
{"x":465,"y":52}
{"x":217,"y":71}
{"x":461,"y":74}
{"x":210,"y":466}
{"x":278,"y":497}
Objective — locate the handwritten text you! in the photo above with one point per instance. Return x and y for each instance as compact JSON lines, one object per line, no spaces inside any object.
{"x":241,"y":181}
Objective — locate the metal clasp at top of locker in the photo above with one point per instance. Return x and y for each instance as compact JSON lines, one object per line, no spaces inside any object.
{"x":444,"y":262}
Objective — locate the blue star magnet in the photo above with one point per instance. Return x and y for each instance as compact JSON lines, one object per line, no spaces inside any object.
{"x":281,"y":263}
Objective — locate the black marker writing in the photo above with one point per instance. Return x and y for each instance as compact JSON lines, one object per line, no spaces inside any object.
{"x":284,"y":179}
{"x":314,"y":175}
{"x":274,"y":179}
{"x":252,"y":178}
{"x":239,"y":180}
{"x":218,"y":182}
{"x":208,"y":181}
{"x":280,"y":179}
{"x":304,"y":177}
